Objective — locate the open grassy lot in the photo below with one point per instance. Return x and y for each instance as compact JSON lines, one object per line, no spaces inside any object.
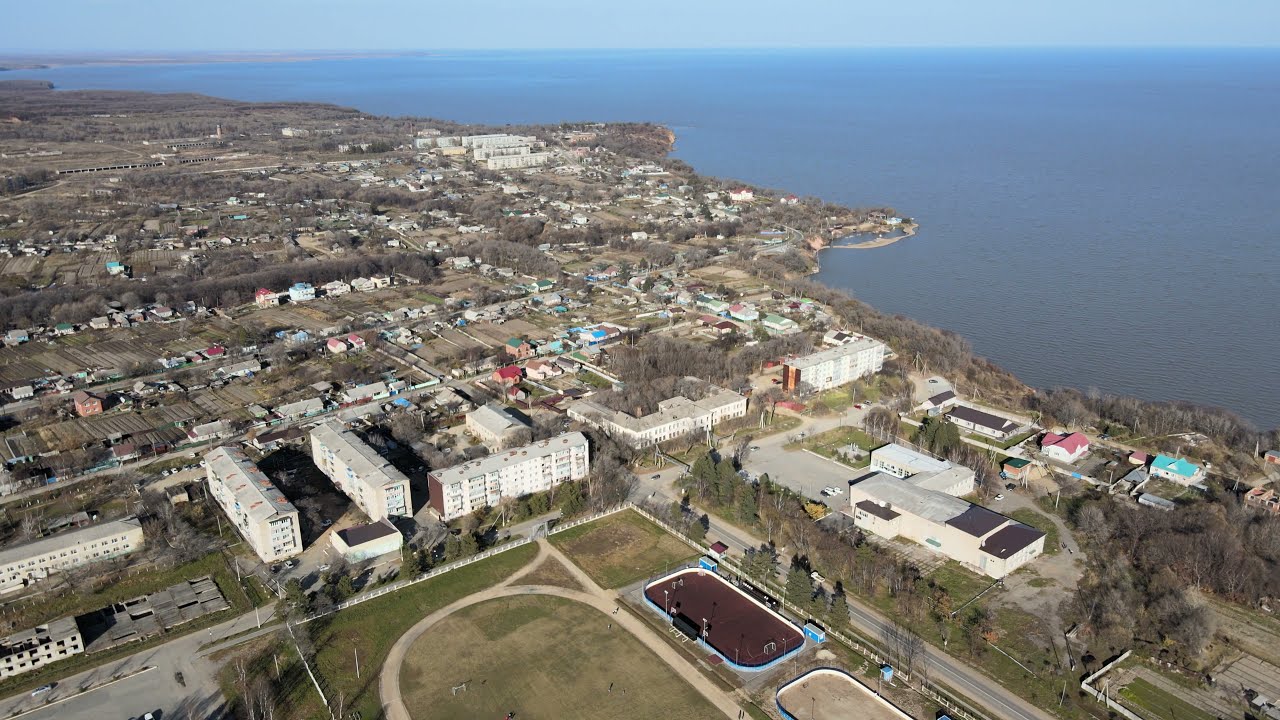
{"x":960,"y":583}
{"x":1152,"y":702}
{"x":541,"y":657}
{"x":372,"y":627}
{"x":1041,"y":522}
{"x":622,"y":548}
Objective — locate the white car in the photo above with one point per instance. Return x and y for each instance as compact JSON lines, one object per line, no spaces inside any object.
{"x":999,"y":497}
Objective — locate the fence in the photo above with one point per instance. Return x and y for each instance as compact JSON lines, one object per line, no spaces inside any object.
{"x":1103,"y":697}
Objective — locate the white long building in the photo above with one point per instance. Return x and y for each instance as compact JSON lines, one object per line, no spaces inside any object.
{"x":260,"y":512}
{"x":835,"y":366}
{"x":538,"y":467}
{"x":372,"y":483}
{"x":38,"y":559}
{"x":516,"y":162}
{"x":676,"y":417}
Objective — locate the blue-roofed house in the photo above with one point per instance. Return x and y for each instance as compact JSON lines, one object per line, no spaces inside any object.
{"x":301,"y":292}
{"x":1176,"y":469}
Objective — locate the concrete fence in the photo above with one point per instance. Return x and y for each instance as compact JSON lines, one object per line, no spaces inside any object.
{"x":1105,"y":698}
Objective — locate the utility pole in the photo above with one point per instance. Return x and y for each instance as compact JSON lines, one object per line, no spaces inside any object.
{"x":356,"y":651}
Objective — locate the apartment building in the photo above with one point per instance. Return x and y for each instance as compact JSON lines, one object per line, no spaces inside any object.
{"x":465,"y":488}
{"x":262,"y":515}
{"x":516,"y":162}
{"x":372,"y":483}
{"x":835,"y":366}
{"x":675,"y":417}
{"x":27,"y":650}
{"x":29,"y":562}
{"x":893,"y":507}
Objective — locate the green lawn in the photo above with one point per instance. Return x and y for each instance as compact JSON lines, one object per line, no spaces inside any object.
{"x":622,"y":548}
{"x":1041,"y":522}
{"x":542,"y":657}
{"x":830,"y":442}
{"x":961,"y":584}
{"x":1152,"y":701}
{"x":372,"y":627}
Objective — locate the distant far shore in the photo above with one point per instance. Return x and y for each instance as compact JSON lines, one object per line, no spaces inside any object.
{"x":45,"y":62}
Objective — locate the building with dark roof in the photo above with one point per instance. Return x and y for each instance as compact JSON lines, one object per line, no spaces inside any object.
{"x":982,"y":422}
{"x":362,"y":542}
{"x":986,"y":541}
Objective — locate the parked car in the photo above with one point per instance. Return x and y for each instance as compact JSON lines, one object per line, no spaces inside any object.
{"x":1010,"y":486}
{"x":999,"y":497}
{"x":323,"y":568}
{"x":41,"y":690}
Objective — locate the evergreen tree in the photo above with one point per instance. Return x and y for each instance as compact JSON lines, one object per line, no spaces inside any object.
{"x":744,"y":507}
{"x":704,"y":476}
{"x":698,"y":529}
{"x":799,"y":587}
{"x":727,"y":480}
{"x":838,"y":616}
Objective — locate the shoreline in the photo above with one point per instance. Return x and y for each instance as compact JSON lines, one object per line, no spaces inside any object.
{"x":907,"y":232}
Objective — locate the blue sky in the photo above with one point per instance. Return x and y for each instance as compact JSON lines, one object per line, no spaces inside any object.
{"x":141,"y":26}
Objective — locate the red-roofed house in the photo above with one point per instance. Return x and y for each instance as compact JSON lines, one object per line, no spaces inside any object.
{"x":215,"y":351}
{"x":266,"y":298}
{"x":1064,"y":448}
{"x":356,"y":342}
{"x":335,"y":346}
{"x":509,"y":375}
{"x":1138,"y":458}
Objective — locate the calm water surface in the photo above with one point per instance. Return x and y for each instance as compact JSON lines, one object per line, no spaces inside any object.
{"x":1106,"y":219}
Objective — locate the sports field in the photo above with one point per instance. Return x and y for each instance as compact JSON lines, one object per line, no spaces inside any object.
{"x":542,"y":658}
{"x":622,"y":548}
{"x":833,"y":695}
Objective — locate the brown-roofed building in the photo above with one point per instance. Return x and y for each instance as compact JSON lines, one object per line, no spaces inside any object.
{"x":363,"y":542}
{"x":87,"y":403}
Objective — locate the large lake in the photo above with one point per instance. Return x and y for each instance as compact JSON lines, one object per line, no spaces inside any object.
{"x":1102,"y":219}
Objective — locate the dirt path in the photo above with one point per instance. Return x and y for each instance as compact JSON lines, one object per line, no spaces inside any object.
{"x":603,"y":600}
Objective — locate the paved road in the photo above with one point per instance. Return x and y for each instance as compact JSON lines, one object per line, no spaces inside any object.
{"x":157,"y":689}
{"x":603,"y":600}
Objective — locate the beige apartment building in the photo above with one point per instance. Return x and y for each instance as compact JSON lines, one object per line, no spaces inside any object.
{"x":23,"y":564}
{"x":468,"y":487}
{"x":372,"y":483}
{"x":260,"y":512}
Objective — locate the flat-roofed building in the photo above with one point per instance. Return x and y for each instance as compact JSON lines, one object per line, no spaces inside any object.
{"x":538,"y":467}
{"x":36,"y":560}
{"x":516,"y":162}
{"x":675,"y":417}
{"x":363,"y":542}
{"x":923,"y":470}
{"x":496,"y":426}
{"x":27,"y":650}
{"x":835,"y":366}
{"x":372,"y":483}
{"x":260,"y":512}
{"x":894,"y":507}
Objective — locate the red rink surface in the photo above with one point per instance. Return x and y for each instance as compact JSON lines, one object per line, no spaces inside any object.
{"x":741,"y":630}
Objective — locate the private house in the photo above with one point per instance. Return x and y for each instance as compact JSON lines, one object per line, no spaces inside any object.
{"x":1064,"y":448}
{"x":87,"y":403}
{"x":356,"y":343}
{"x":539,"y":369}
{"x":975,"y":536}
{"x":265,"y":298}
{"x":365,"y":393}
{"x":100,"y":323}
{"x":16,"y":337}
{"x":778,"y":325}
{"x":742,"y":195}
{"x":1263,"y":499}
{"x":1272,"y":457}
{"x":713,"y":305}
{"x":208,"y":431}
{"x":507,"y":376}
{"x":982,"y":422}
{"x":1176,"y":469}
{"x":300,"y":409}
{"x":301,"y":292}
{"x":335,"y":346}
{"x":743,"y":312}
{"x":335,"y":288}
{"x":518,"y":349}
